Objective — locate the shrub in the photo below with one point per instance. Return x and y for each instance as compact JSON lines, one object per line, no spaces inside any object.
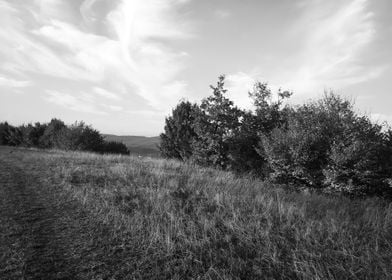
{"x":13,"y":136}
{"x":297,"y":152}
{"x":53,"y":135}
{"x":325,"y":144}
{"x":32,"y":134}
{"x":56,"y":134}
{"x":269,"y":114}
{"x":4,"y":131}
{"x":112,"y":147}
{"x":83,"y":138}
{"x":360,"y":162}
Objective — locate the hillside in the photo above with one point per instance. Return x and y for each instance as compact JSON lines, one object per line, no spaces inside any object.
{"x":138,"y":145}
{"x":87,"y":216}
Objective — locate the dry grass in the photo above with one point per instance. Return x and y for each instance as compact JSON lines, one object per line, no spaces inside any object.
{"x":169,"y":220}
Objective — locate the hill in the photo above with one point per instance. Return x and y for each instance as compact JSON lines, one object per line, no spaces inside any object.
{"x":138,"y":145}
{"x":75,"y":215}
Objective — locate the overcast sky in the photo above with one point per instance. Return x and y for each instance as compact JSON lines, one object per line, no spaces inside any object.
{"x":122,"y":65}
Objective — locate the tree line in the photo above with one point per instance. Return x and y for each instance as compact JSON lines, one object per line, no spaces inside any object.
{"x":323,"y":144}
{"x":56,"y":134}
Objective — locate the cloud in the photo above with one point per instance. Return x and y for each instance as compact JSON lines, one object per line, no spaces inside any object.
{"x":241,"y":83}
{"x":106,"y":94}
{"x":123,"y":44}
{"x":222,"y":14}
{"x":12,"y":83}
{"x":335,"y":35}
{"x":238,"y":86}
{"x":82,"y":103}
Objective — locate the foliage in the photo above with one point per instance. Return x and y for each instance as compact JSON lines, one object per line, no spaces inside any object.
{"x":243,"y":147}
{"x":360,"y":161}
{"x":32,"y":134}
{"x":10,"y":135}
{"x":4,"y":128}
{"x":323,"y":144}
{"x":176,"y":141}
{"x":244,"y":152}
{"x":113,"y":147}
{"x":83,"y":138}
{"x":55,"y":134}
{"x":215,"y":126}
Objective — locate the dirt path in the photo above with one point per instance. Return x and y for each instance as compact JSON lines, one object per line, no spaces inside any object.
{"x":43,"y":235}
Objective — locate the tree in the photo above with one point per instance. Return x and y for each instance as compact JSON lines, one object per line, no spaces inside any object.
{"x":54,"y":132}
{"x":32,"y":134}
{"x":298,"y":151}
{"x":269,"y":113}
{"x":327,"y":145}
{"x":244,"y":151}
{"x":215,"y":126}
{"x":4,"y":131}
{"x":360,"y":160}
{"x":82,"y":137}
{"x":13,"y":136}
{"x":176,"y":141}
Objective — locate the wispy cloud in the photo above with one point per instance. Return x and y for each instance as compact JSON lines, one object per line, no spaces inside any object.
{"x":335,"y":36}
{"x":106,"y":94}
{"x":12,"y":83}
{"x":83,"y":103}
{"x":130,"y":50}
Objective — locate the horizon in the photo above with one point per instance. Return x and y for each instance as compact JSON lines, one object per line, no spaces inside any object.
{"x":129,"y":63}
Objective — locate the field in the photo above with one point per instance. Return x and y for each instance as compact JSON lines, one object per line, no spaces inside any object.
{"x":70,"y":215}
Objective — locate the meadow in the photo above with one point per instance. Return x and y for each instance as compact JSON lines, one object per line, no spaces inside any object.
{"x":143,"y":218}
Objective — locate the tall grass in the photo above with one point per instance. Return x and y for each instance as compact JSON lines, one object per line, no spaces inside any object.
{"x":180,"y":221}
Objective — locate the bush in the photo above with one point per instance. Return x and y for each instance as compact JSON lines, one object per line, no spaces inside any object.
{"x":113,"y":147}
{"x":81,"y":137}
{"x":243,"y":152}
{"x":325,"y":144}
{"x":4,"y":130}
{"x":55,"y":134}
{"x":32,"y":134}
{"x":361,"y":161}
{"x":297,"y":152}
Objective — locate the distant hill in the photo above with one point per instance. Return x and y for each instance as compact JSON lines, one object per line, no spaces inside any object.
{"x":138,"y":145}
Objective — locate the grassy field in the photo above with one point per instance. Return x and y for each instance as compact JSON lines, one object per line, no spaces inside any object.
{"x":68,"y":215}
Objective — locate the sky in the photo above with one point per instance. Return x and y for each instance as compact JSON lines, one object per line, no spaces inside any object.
{"x":123,"y":65}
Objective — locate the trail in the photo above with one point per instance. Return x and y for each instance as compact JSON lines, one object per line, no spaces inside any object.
{"x":42,"y":235}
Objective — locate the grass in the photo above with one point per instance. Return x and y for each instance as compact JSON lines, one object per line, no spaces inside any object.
{"x":168,"y":220}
